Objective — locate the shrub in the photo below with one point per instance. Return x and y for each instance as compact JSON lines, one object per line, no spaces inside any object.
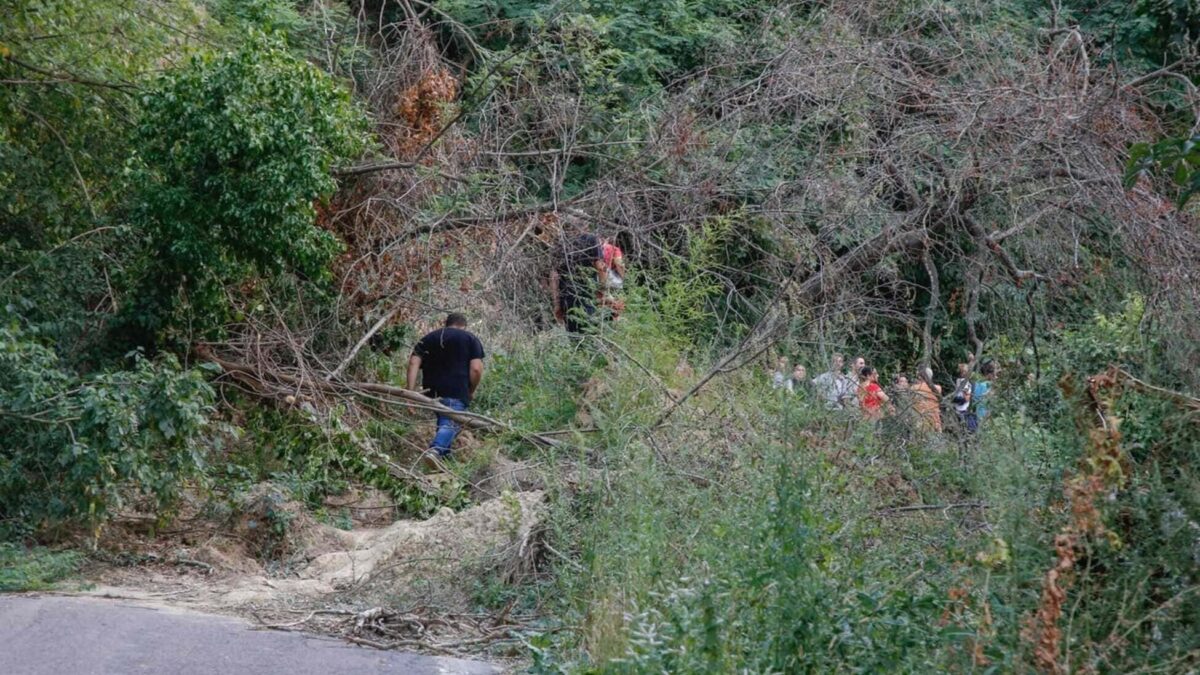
{"x":33,"y":569}
{"x":76,"y":447}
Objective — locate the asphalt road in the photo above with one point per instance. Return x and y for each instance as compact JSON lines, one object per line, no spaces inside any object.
{"x":75,"y":635}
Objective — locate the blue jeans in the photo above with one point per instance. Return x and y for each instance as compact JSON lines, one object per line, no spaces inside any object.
{"x":447,"y":429}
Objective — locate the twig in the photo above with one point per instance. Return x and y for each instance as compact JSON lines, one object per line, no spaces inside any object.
{"x":284,"y":626}
{"x":56,"y":248}
{"x":68,"y":78}
{"x":932,"y":507}
{"x":375,"y":328}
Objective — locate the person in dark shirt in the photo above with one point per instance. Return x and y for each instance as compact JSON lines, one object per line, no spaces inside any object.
{"x":575,"y":284}
{"x":451,"y":363}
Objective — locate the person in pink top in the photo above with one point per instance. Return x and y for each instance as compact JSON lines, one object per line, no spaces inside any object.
{"x":614,"y":261}
{"x":871,"y":396}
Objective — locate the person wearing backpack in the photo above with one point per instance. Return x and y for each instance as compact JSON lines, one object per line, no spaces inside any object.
{"x":961,"y":400}
{"x":577,"y":283}
{"x":982,"y":391}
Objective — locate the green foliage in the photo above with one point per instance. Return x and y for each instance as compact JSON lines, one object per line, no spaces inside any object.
{"x":70,"y":67}
{"x":614,"y":59}
{"x":774,"y":552}
{"x":1176,"y":159}
{"x":642,"y":43}
{"x":753,"y":531}
{"x":708,"y":562}
{"x":71,"y":70}
{"x":33,"y":569}
{"x":313,"y":461}
{"x":77,"y":448}
{"x":713,"y":291}
{"x":535,"y":390}
{"x":1140,"y":33}
{"x":321,"y":32}
{"x":686,"y":291}
{"x":234,"y":151}
{"x":1108,"y":339}
{"x":779,"y":601}
{"x":271,"y":17}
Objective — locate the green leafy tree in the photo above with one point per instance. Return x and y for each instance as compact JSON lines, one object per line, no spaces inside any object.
{"x":234,"y":153}
{"x":71,"y":73}
{"x":71,"y":70}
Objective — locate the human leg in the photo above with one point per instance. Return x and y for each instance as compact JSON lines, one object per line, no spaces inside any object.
{"x":579,"y":313}
{"x":447,"y":428}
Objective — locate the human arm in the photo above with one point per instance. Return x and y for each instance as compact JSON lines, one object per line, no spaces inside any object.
{"x":414,"y":366}
{"x":618,"y":264}
{"x":475,"y":374}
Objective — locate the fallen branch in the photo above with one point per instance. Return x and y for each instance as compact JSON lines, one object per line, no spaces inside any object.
{"x":931,"y":507}
{"x":375,"y":328}
{"x":1147,"y":388}
{"x":388,"y":393}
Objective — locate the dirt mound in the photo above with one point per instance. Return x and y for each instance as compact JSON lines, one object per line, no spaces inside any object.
{"x":497,"y":530}
{"x":273,"y":527}
{"x":435,"y":560}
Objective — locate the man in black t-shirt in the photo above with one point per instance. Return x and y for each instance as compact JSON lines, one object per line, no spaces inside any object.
{"x":451,"y":362}
{"x":576,"y":282}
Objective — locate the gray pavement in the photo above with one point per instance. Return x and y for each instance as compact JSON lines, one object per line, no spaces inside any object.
{"x":42,"y":634}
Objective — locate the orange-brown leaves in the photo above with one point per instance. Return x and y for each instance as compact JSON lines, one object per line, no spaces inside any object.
{"x":963,"y":609}
{"x":420,"y":110}
{"x":1102,"y":468}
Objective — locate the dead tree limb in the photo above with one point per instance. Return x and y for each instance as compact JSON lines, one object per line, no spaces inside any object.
{"x":388,"y":392}
{"x":987,"y":241}
{"x":375,"y":328}
{"x":934,"y":300}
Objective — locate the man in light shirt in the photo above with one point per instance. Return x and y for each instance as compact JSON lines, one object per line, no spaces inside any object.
{"x":834,"y":386}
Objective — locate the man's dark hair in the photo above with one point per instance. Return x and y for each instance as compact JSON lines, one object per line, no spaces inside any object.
{"x":988,"y":368}
{"x":586,"y":241}
{"x":581,"y":249}
{"x":456,"y":320}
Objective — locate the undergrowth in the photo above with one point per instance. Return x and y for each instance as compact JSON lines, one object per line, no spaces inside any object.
{"x":762,"y":533}
{"x":34,"y":569}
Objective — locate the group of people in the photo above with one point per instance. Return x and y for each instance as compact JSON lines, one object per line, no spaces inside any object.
{"x":449,"y":361}
{"x":919,"y":400}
